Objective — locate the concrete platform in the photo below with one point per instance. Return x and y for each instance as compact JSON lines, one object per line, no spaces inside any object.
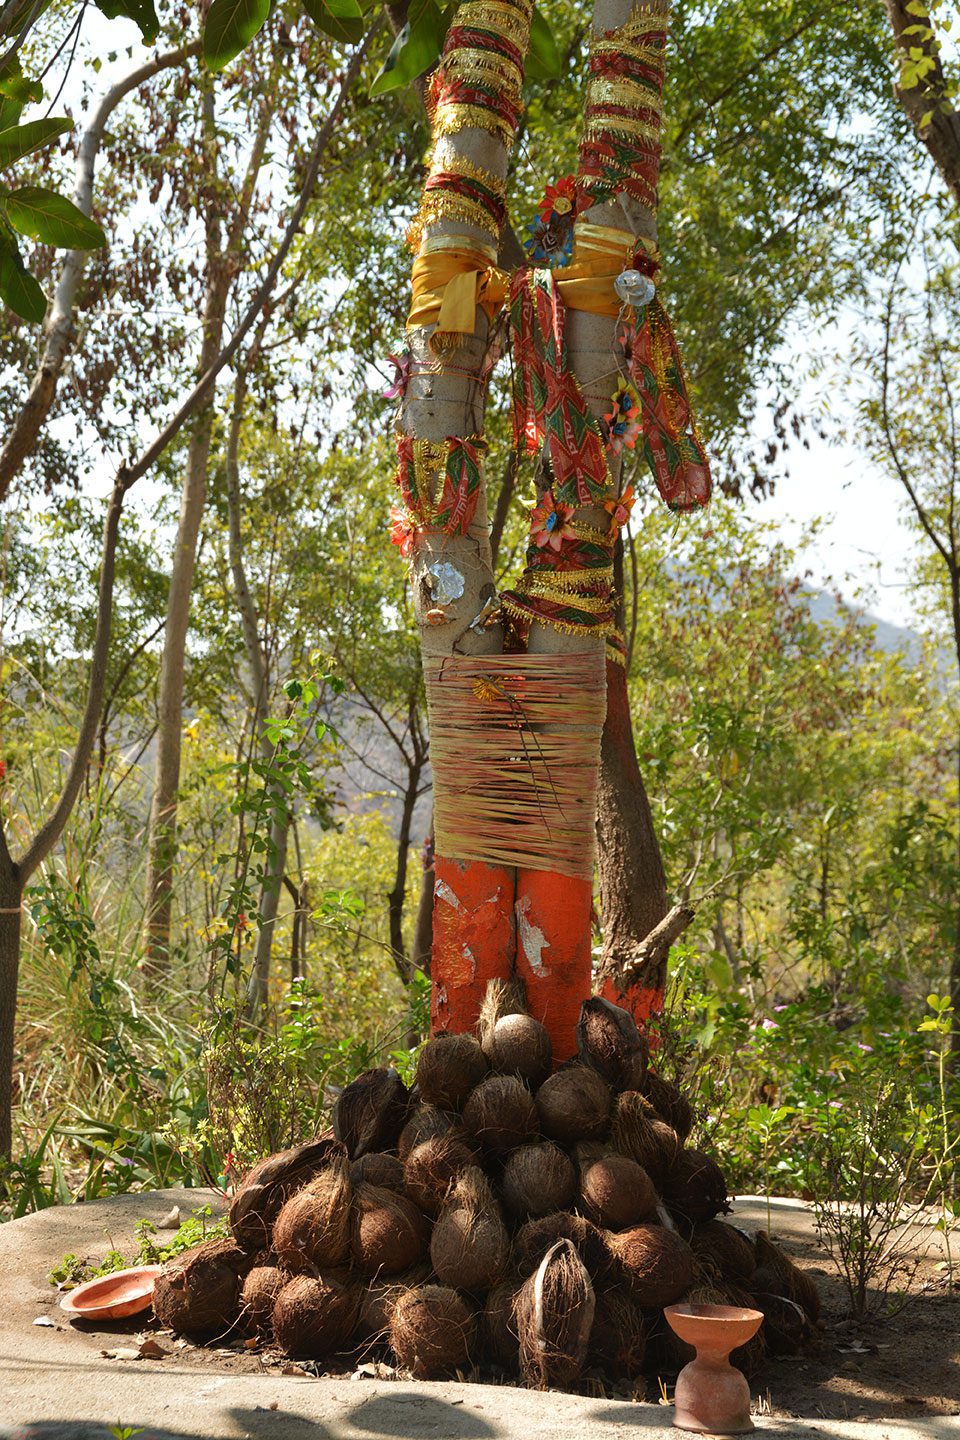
{"x":55,"y":1384}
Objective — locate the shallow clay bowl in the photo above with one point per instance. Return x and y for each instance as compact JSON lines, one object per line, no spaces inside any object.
{"x":112,"y":1297}
{"x":712,"y":1326}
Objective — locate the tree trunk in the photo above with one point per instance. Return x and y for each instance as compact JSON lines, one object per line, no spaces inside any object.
{"x":11,"y":901}
{"x":929,"y":103}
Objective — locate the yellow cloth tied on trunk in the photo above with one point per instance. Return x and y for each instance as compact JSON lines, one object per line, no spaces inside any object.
{"x":450,"y":279}
{"x":600,"y":252}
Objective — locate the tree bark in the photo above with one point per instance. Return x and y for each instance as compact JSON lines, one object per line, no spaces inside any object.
{"x":928,"y":104}
{"x":11,"y":901}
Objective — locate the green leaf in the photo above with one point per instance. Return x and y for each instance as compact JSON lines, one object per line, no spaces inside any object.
{"x":10,"y":112}
{"x":20,"y":140}
{"x":231,"y":25}
{"x":14,"y":85}
{"x":415,"y":49}
{"x":141,"y":12}
{"x":52,"y":219}
{"x":343,"y":19}
{"x":543,"y":61}
{"x":18,"y":287}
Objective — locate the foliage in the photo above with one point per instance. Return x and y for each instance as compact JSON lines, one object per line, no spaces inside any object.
{"x":73,"y":1270}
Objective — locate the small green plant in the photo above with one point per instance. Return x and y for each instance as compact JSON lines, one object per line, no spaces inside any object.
{"x":124,"y":1432}
{"x":72,"y":1270}
{"x":945,"y":1142}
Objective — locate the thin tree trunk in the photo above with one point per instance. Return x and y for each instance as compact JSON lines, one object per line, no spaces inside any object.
{"x":423,"y":929}
{"x":11,"y":901}
{"x":397,"y":896}
{"x":221,"y":266}
{"x":59,"y":330}
{"x":633,"y":887}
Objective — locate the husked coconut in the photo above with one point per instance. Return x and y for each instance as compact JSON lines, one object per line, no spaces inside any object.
{"x":574,"y":1104}
{"x":312,"y":1231}
{"x":499,"y":1341}
{"x":380,"y":1296}
{"x":388,"y":1233}
{"x":263,"y":1190}
{"x":370,"y":1112}
{"x":786,"y":1329}
{"x":538,"y":1179}
{"x":726,"y":1247}
{"x":618,"y":1340}
{"x":198,"y":1293}
{"x":448,"y":1068}
{"x":610,"y":1043}
{"x":617,"y":1193}
{"x":258,"y":1296}
{"x":694,"y":1187}
{"x":378,"y":1169}
{"x":554,"y":1312}
{"x":432,"y":1331}
{"x":432,"y":1168}
{"x":638,"y":1131}
{"x":536,"y":1237}
{"x":669,"y":1103}
{"x":470,"y":1246}
{"x":657,"y":1264}
{"x":520,"y":1045}
{"x":501,"y":1115}
{"x":502,"y":998}
{"x":314,"y":1316}
{"x":428,"y":1122}
{"x":794,"y":1283}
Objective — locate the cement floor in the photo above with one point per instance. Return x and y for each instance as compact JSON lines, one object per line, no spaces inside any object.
{"x":55,"y":1384}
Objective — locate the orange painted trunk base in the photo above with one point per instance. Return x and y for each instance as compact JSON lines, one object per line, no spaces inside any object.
{"x":474,"y":938}
{"x":643,"y":1004}
{"x":554,"y":958}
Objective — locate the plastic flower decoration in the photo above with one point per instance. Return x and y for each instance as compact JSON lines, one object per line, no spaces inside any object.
{"x":550,"y":523}
{"x":620,"y":508}
{"x":397,"y":387}
{"x":551,"y":234}
{"x":623,"y":419}
{"x":402,"y":531}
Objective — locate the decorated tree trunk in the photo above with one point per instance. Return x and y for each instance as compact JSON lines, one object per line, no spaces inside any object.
{"x":516,"y":684}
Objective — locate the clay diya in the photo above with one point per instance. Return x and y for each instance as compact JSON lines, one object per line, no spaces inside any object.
{"x":712,"y":1396}
{"x":112,"y":1297}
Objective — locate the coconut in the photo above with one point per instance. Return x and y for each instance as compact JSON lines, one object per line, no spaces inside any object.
{"x":726,"y":1247}
{"x":536,"y":1237}
{"x":380,"y":1296}
{"x":448,"y":1069}
{"x":312,"y":1231}
{"x":198,"y":1293}
{"x":371,"y":1111}
{"x":499,"y":1340}
{"x":618,"y":1340}
{"x":656,"y":1264}
{"x":431,"y":1331}
{"x":610,"y":1043}
{"x":388,"y":1234}
{"x":538,"y":1179}
{"x":694,"y":1187}
{"x":638,"y":1131}
{"x":794,"y":1283}
{"x":374,"y":1169}
{"x":315,"y":1316}
{"x":258,"y":1296}
{"x":617,"y":1193}
{"x":668,"y":1102}
{"x":574,"y":1104}
{"x":502,"y":998}
{"x":501,"y":1115}
{"x":470,"y":1246}
{"x":429,"y":1123}
{"x":430,"y":1170}
{"x":520,"y":1045}
{"x":263,"y":1189}
{"x":786,"y":1329}
{"x":555,"y":1310}
{"x":585,"y":1152}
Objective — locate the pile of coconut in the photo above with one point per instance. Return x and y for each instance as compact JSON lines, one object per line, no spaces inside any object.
{"x":500,"y":1218}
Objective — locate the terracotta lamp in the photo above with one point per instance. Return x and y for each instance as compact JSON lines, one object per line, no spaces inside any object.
{"x":712,"y":1396}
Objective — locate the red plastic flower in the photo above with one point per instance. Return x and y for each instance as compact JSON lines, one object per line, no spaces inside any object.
{"x":621,"y":507}
{"x":558,"y":200}
{"x":550,"y":523}
{"x":403,"y":532}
